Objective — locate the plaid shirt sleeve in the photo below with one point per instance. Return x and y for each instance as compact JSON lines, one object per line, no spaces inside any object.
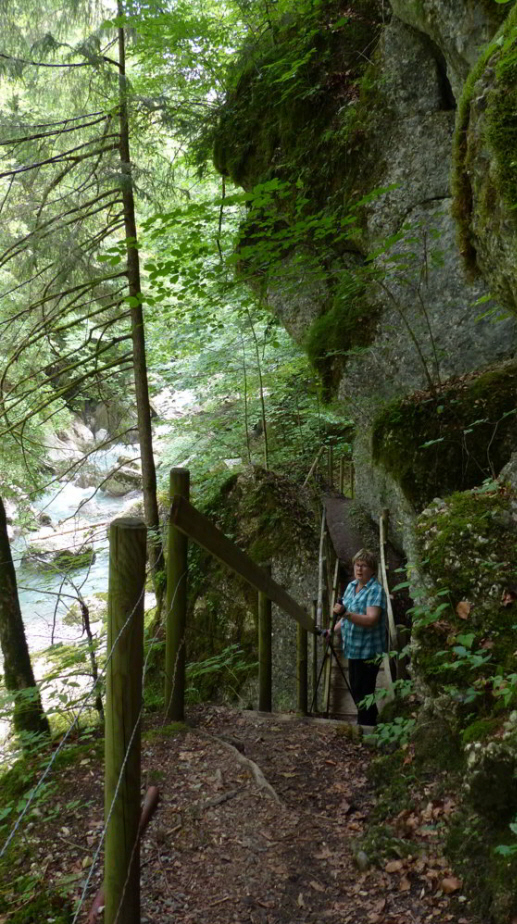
{"x":376,"y":596}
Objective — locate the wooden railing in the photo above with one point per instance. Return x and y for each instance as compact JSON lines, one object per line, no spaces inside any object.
{"x":125,"y":657}
{"x":324,"y":464}
{"x":189,"y":523}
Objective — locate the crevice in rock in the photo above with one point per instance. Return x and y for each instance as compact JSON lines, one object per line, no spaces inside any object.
{"x":448,"y":100}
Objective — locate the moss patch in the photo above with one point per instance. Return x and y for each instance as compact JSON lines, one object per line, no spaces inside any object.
{"x":466,"y":640}
{"x":295,"y":91}
{"x":452,"y":440}
{"x":488,"y":877}
{"x":499,"y":133}
{"x":300,"y":126}
{"x":348,"y":325}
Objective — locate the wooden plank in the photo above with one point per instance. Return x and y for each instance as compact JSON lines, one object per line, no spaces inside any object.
{"x":313,"y":466}
{"x":199,"y":528}
{"x":301,"y":670}
{"x":332,"y":623}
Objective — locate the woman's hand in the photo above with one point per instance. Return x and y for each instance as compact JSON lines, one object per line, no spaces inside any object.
{"x":339,"y":609}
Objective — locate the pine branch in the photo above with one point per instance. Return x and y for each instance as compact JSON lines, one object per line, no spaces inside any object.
{"x":62,"y":131}
{"x":60,"y":372}
{"x":123,"y":360}
{"x":65,"y":156}
{"x":89,"y":284}
{"x":95,"y":59}
{"x":11,"y":251}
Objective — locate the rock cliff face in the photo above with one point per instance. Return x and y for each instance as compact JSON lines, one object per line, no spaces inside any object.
{"x":398,"y":313}
{"x":385,"y":137}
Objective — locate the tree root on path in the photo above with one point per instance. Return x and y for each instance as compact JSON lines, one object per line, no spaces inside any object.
{"x":254,"y":768}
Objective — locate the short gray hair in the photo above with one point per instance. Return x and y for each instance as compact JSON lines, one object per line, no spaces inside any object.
{"x":368,"y":557}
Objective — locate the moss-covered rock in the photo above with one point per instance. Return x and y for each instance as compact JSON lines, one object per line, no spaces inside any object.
{"x":485,"y":170}
{"x":292,"y":94}
{"x":487,"y":876}
{"x":434,"y":444}
{"x":466,"y":640}
{"x":349,"y":324}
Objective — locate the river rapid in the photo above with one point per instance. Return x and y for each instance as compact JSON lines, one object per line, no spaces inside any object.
{"x":73,"y":511}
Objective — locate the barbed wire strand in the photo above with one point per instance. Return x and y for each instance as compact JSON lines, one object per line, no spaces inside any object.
{"x":90,"y":693}
{"x":119,"y":781}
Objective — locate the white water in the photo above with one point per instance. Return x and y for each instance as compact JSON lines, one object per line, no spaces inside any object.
{"x":68,"y":505}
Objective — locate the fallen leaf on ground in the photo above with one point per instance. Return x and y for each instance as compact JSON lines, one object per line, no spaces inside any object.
{"x":463,"y":609}
{"x":451,"y":884}
{"x":394,"y":866}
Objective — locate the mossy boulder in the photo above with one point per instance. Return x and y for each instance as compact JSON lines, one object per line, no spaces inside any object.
{"x":292,"y":93}
{"x":453,"y":439}
{"x":465,"y":632}
{"x":293,"y":129}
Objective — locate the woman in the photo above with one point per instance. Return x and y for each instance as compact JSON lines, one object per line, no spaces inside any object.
{"x":363,"y":628}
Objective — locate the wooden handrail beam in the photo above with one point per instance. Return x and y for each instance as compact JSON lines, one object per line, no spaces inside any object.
{"x":199,"y":528}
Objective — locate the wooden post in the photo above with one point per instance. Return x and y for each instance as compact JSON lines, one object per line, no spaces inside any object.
{"x":264,"y":648}
{"x":301,"y":670}
{"x":175,"y":654}
{"x":331,"y":466}
{"x":384,"y":527}
{"x":342,"y":476}
{"x":123,"y":713}
{"x":314,"y":654}
{"x":332,"y":622}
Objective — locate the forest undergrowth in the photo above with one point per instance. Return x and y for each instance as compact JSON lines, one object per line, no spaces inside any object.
{"x":261,"y":819}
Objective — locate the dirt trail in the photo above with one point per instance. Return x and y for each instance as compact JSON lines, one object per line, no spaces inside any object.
{"x":258,"y":823}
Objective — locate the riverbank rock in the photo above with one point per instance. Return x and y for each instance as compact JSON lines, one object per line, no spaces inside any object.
{"x":70,"y":548}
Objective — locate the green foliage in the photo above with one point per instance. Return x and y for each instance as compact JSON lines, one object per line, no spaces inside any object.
{"x":224,"y":672}
{"x":453,"y":440}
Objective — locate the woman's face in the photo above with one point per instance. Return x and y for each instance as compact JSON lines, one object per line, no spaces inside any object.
{"x":362,"y":572}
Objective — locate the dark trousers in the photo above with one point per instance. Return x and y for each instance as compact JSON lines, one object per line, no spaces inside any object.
{"x":363,"y":677}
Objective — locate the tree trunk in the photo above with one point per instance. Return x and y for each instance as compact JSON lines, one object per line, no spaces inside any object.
{"x":143,"y":406}
{"x":18,"y":674}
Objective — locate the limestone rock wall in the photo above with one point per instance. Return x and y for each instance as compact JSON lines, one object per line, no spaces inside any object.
{"x":424,"y":317}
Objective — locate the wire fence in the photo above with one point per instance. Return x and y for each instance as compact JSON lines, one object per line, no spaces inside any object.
{"x":285,"y":679}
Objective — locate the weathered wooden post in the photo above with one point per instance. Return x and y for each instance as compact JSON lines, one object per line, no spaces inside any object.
{"x":301,"y":670}
{"x":331,"y":466}
{"x":177,"y":566}
{"x":123,"y":711}
{"x":342,"y":475}
{"x":264,"y":648}
{"x":314,"y":655}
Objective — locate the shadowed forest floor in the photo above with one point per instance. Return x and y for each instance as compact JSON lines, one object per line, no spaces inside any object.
{"x":275,"y":841}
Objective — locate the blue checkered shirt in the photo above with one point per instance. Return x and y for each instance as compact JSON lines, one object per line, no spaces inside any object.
{"x":359,"y":641}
